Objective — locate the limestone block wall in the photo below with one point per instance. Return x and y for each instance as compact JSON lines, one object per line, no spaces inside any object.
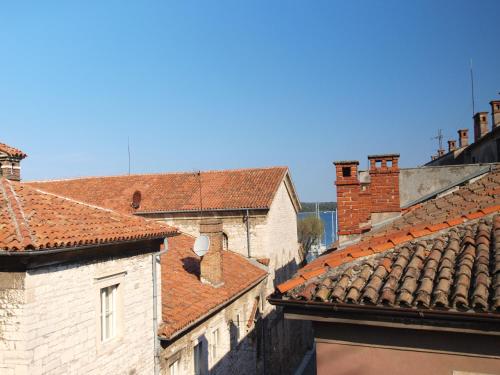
{"x":233,"y":357}
{"x":59,"y":329}
{"x":13,"y":353}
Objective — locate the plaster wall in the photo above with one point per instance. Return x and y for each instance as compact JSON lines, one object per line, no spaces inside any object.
{"x":415,"y":183}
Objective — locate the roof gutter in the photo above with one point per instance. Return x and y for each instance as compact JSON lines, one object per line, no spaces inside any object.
{"x":23,"y":253}
{"x":212,"y":311}
{"x":455,"y":316}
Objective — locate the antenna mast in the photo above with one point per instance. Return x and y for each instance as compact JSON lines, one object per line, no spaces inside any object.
{"x":128,"y":149}
{"x":439,"y":137}
{"x":472,"y":88}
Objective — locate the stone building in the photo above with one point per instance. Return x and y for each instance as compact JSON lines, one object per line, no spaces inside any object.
{"x":76,"y":286}
{"x":484,"y":149}
{"x":211,"y":310}
{"x":417,"y":295}
{"x":258,"y":209}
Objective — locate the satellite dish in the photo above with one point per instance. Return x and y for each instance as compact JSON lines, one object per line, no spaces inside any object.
{"x":201,"y":245}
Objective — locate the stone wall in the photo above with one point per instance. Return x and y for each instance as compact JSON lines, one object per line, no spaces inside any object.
{"x":58,"y":330}
{"x":233,"y":356}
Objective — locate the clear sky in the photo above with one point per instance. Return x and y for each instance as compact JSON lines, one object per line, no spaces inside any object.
{"x":231,"y":84}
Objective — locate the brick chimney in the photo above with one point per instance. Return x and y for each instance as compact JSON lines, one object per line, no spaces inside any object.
{"x":452,"y":145}
{"x":495,"y":113}
{"x":440,"y":152}
{"x":359,"y":203}
{"x":211,"y":268}
{"x":480,"y":125}
{"x":384,"y":183}
{"x":10,"y":162}
{"x":463,"y":137}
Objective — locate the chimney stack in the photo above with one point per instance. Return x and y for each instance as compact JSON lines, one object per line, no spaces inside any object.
{"x":211,"y":268}
{"x":452,"y":145}
{"x":361,"y":202}
{"x":495,"y":113}
{"x":480,"y":125}
{"x":10,"y":162}
{"x":440,"y":152}
{"x":463,"y":137}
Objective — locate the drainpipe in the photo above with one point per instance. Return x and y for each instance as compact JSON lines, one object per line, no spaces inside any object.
{"x":247,"y":220}
{"x":154,"y":260}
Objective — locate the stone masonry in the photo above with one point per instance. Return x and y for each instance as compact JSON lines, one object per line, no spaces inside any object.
{"x":50,"y":322}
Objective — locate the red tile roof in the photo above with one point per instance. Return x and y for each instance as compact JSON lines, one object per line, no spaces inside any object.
{"x":31,"y":219}
{"x":470,"y":203}
{"x":185,"y":299}
{"x":229,"y":189}
{"x":457,"y":270}
{"x":11,"y":151}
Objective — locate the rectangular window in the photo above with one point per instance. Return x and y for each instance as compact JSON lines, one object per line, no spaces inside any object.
{"x":215,"y":342}
{"x":197,"y":355}
{"x":174,"y":368}
{"x":108,"y":312}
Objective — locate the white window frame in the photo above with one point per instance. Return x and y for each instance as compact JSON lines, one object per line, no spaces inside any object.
{"x":108,"y":297}
{"x":174,"y":368}
{"x":215,"y":343}
{"x":117,"y":280}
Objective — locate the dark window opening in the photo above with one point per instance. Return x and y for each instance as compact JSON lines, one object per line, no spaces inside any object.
{"x":346,"y":171}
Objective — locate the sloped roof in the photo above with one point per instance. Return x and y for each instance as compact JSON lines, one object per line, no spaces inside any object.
{"x":185,"y":298}
{"x":31,"y":219}
{"x":228,"y":189}
{"x":464,"y":216}
{"x":450,"y":272}
{"x":11,"y":151}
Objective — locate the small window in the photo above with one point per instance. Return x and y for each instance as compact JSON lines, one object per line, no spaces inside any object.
{"x":197,"y":355}
{"x":108,"y":312}
{"x":215,"y":343}
{"x":174,"y":368}
{"x":389,"y":163}
{"x":225,"y":241}
{"x":346,"y":171}
{"x":378,"y":164}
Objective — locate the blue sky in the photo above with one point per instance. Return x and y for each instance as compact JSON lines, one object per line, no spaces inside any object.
{"x":231,"y":84}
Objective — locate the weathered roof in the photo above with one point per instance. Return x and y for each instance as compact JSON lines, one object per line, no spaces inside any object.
{"x":11,"y":151}
{"x":185,"y":298}
{"x":458,"y":270}
{"x":458,"y":226}
{"x":31,"y":219}
{"x":228,"y":189}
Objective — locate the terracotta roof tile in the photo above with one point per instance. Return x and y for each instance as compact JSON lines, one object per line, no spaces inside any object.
{"x":32,"y":219}
{"x":430,"y":218}
{"x":229,"y":189}
{"x":11,"y":151}
{"x":185,"y":298}
{"x":457,"y":270}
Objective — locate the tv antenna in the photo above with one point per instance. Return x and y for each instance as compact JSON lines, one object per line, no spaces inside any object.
{"x":439,"y":137}
{"x":128,"y":150}
{"x":201,"y":245}
{"x":472,"y":88}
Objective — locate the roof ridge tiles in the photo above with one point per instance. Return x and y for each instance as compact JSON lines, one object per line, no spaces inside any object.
{"x":160,"y":174}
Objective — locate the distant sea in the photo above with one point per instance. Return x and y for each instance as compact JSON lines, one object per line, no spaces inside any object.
{"x":329,"y":223}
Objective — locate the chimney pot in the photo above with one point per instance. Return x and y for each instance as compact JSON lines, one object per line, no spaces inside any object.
{"x":211,"y":264}
{"x":480,"y":125}
{"x":463,"y":137}
{"x":452,"y":145}
{"x":495,"y":113}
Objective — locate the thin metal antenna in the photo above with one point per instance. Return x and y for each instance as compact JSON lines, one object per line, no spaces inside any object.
{"x":201,"y":199}
{"x":472,"y":88}
{"x":439,"y":137}
{"x":128,"y":149}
